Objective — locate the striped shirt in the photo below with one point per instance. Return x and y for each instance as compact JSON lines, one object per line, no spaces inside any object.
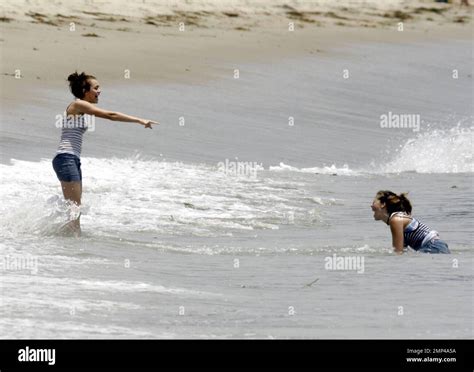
{"x":416,"y":234}
{"x":73,"y":128}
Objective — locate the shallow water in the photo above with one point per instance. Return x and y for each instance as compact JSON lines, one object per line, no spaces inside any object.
{"x":178,"y":245}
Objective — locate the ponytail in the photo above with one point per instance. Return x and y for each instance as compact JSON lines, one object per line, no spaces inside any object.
{"x":405,"y":203}
{"x":394,"y":202}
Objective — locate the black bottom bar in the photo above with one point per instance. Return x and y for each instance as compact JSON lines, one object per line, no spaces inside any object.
{"x":238,"y":355}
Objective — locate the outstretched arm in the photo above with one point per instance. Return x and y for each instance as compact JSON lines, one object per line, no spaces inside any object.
{"x":88,"y":108}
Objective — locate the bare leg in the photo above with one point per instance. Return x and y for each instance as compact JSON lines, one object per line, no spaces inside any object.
{"x":72,"y":192}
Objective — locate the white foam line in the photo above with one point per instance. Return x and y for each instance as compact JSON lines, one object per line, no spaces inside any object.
{"x":105,"y":285}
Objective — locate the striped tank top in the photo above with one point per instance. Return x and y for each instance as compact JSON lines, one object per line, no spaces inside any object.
{"x":72,"y":130}
{"x":416,"y":234}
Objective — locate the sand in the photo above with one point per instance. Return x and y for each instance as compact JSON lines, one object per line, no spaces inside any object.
{"x":44,"y":41}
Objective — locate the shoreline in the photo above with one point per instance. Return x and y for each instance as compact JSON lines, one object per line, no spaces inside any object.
{"x":46,"y":51}
{"x":156,"y":57}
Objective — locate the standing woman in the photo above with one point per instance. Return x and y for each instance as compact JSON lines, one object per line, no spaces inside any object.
{"x":67,"y":163}
{"x":395,"y":211}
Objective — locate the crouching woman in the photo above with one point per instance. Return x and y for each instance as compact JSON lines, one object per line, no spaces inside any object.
{"x":395,"y":211}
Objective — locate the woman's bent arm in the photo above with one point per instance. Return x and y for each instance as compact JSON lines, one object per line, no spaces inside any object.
{"x":396,"y":227}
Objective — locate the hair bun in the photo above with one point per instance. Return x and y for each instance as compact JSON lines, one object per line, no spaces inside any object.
{"x":79,"y":84}
{"x":73,"y":77}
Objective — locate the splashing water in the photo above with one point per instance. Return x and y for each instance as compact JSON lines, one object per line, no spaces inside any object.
{"x":435,"y":151}
{"x":134,"y":195}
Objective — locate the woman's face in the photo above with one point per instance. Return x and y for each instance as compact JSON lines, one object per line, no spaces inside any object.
{"x":379,"y":210}
{"x":92,"y":95}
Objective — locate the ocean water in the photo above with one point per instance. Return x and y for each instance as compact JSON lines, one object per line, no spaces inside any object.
{"x":220,"y":223}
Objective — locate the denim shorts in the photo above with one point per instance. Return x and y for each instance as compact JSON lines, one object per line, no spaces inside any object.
{"x":435,"y":246}
{"x":67,"y":167}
